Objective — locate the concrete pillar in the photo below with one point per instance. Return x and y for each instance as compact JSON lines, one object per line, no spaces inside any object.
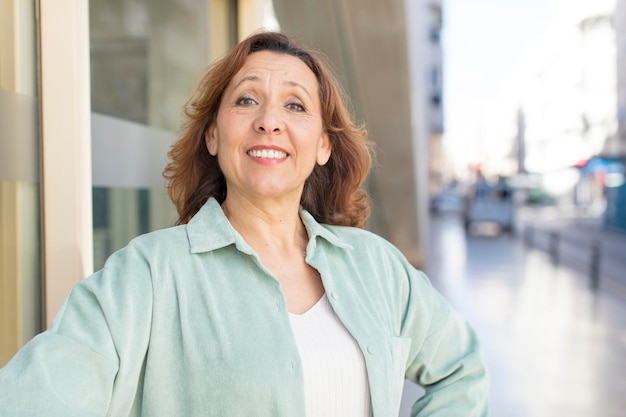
{"x":66,"y":149}
{"x":367,"y":42}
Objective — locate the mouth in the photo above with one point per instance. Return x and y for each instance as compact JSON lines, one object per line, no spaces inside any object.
{"x":267,"y":154}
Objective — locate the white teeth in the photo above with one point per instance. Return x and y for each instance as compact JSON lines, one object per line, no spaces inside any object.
{"x":267,"y":154}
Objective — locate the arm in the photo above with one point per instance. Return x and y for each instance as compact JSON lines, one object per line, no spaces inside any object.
{"x":71,"y":369}
{"x":447,"y":362}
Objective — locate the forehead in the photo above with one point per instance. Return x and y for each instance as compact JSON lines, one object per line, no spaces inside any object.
{"x":268,"y":64}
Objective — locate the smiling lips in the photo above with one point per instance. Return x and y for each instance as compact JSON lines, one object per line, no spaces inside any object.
{"x":267,"y":154}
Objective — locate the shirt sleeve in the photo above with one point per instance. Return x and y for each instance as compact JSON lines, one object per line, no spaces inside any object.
{"x":72,"y":368}
{"x":447,"y":362}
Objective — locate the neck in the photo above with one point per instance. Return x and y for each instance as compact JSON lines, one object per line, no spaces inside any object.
{"x":267,"y":227}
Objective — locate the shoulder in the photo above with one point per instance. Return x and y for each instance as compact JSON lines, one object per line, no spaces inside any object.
{"x":153,"y":246}
{"x":378,"y":256}
{"x":374,"y":254}
{"x":364,"y":239}
{"x":174,"y":236}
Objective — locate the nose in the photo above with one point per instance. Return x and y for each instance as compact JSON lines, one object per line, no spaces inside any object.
{"x":269,"y":119}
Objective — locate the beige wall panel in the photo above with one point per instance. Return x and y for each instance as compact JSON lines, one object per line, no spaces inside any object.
{"x":7,"y":45}
{"x":255,"y":15}
{"x":17,"y":46}
{"x":19,"y":206}
{"x":10,"y":338}
{"x":219,"y":20}
{"x":66,"y":154}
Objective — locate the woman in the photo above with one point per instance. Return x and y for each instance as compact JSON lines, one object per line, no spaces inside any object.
{"x":265,"y":300}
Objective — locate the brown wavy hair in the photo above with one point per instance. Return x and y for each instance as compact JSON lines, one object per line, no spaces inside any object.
{"x":333,"y":193}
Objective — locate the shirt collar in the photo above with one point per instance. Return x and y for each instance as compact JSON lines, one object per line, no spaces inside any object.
{"x":209,"y":229}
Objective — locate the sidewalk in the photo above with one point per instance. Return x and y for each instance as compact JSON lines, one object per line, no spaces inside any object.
{"x":581,"y":242}
{"x":553,"y":346}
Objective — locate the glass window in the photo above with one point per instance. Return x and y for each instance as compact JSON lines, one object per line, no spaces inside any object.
{"x":146,"y":57}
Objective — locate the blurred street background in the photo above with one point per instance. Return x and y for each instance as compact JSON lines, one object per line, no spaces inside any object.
{"x":527,"y":200}
{"x":554,"y":340}
{"x":500,"y":133}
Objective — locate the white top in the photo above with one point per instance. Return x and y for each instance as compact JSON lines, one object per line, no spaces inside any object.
{"x":335,"y":378}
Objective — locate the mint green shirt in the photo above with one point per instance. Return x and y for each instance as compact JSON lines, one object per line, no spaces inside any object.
{"x":186,"y":321}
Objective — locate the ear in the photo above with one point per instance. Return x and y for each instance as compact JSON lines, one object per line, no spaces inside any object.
{"x":324,"y":150}
{"x":210,"y":139}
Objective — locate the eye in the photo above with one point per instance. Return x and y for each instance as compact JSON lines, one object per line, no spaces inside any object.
{"x":245,"y":101}
{"x":296,"y":107}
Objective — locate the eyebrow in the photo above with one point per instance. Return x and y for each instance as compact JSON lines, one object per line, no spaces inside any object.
{"x":255,"y":78}
{"x":246,"y":78}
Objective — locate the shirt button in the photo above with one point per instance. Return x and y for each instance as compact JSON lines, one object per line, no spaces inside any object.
{"x":371,"y":349}
{"x":334,"y":295}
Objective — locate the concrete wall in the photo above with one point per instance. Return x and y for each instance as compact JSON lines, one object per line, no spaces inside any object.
{"x":367,"y":41}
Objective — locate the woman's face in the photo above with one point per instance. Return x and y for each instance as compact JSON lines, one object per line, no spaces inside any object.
{"x":268,"y":134}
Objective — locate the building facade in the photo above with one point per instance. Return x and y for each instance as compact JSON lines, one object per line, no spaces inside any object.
{"x":90,"y":99}
{"x":620,"y":36}
{"x":438,"y":172}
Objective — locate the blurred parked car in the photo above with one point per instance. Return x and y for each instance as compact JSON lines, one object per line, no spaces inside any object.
{"x":449,"y":199}
{"x":490,"y":203}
